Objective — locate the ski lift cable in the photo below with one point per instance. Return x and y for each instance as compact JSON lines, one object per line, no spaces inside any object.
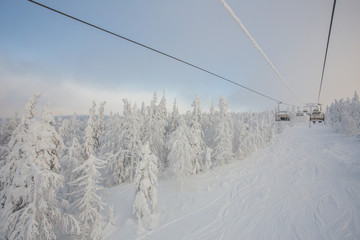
{"x":159,"y":52}
{"x":256,"y":45}
{"x":327,"y":47}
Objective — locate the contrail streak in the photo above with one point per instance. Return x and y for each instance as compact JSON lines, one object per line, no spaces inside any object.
{"x":233,"y":15}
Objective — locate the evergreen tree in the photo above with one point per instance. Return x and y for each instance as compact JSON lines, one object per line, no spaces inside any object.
{"x":70,"y":161}
{"x":161,"y":109}
{"x":5,"y":137}
{"x":88,"y":202}
{"x":223,"y":149}
{"x":130,"y":138}
{"x":100,"y":127}
{"x":31,"y":208}
{"x":355,"y":112}
{"x":174,"y":118}
{"x":111,"y":151}
{"x":75,"y":129}
{"x":196,"y":137}
{"x":209,"y":126}
{"x":180,"y":152}
{"x":63,"y":131}
{"x":157,"y":131}
{"x":143,"y":123}
{"x":17,"y":147}
{"x":146,"y":187}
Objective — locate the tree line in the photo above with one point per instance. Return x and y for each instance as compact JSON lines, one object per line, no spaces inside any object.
{"x":54,"y":170}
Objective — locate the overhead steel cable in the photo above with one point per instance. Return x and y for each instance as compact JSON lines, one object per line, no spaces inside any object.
{"x":158,"y":51}
{"x":256,"y":45}
{"x":327,"y":47}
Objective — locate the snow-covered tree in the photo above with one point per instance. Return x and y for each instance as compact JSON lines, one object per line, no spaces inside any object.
{"x":9,"y":129}
{"x":88,"y":203}
{"x":31,"y":208}
{"x":343,"y":116}
{"x":209,"y":126}
{"x":111,"y":151}
{"x":90,"y":140}
{"x":157,"y":121}
{"x":5,"y":137}
{"x":223,"y":147}
{"x":143,"y":123}
{"x":180,"y":152}
{"x":130,"y":139}
{"x":146,"y":187}
{"x":100,"y":127}
{"x":16,"y":146}
{"x":70,"y":161}
{"x":355,"y":112}
{"x":74,"y":130}
{"x":174,"y":118}
{"x":64,"y":132}
{"x":161,"y":109}
{"x":196,"y":137}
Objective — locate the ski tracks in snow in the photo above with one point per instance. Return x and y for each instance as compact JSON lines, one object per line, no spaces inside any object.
{"x":304,"y":186}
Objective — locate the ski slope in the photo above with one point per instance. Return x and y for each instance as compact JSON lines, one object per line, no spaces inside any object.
{"x":305,"y":185}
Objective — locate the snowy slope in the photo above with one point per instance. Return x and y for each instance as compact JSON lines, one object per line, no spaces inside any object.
{"x":306,"y":185}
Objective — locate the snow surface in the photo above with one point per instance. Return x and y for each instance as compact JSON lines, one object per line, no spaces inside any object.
{"x":306,"y":185}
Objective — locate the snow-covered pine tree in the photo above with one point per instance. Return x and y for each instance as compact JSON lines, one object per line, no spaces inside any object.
{"x":100,"y":127}
{"x":180,"y":152}
{"x":130,"y":138}
{"x":333,"y":115}
{"x":153,"y":104}
{"x":146,"y":187}
{"x":143,"y":122}
{"x":71,"y":160}
{"x":75,"y":129}
{"x":157,"y":131}
{"x":355,"y":112}
{"x":161,"y":109}
{"x":114,"y":172}
{"x":239,"y":135}
{"x":223,"y":148}
{"x":5,"y":138}
{"x":31,"y":209}
{"x":343,"y":115}
{"x":64,"y":132}
{"x":174,"y":118}
{"x":212,"y":113}
{"x":16,"y":147}
{"x":208,"y":125}
{"x":88,"y":203}
{"x":197,"y":142}
{"x":9,"y":129}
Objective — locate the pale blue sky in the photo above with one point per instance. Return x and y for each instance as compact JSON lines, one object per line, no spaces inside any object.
{"x":73,"y":64}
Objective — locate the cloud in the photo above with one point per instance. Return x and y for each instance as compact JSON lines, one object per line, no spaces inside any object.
{"x":66,"y":96}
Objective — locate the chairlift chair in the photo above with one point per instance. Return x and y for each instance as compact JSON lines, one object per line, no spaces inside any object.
{"x":282,"y":116}
{"x":317,"y":116}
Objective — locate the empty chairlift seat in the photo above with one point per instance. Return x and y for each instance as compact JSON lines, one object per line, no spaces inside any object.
{"x":317,"y":116}
{"x":282,"y":116}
